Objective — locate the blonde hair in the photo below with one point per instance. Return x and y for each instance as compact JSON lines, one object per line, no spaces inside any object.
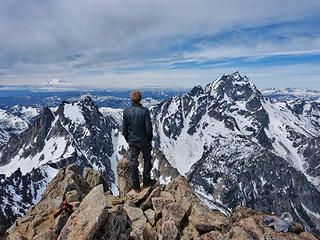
{"x":136,"y":96}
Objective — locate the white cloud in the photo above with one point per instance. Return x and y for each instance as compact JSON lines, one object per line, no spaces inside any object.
{"x":83,"y":41}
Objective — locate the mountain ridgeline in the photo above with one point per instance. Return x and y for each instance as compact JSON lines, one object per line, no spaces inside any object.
{"x":235,"y":146}
{"x":74,"y":133}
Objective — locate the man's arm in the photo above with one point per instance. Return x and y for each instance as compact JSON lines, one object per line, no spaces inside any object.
{"x":148,"y":125}
{"x":125,"y":127}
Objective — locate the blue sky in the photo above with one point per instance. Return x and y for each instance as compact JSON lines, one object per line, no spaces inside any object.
{"x":142,"y":43}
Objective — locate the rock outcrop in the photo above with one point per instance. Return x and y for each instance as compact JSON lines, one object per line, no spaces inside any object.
{"x":39,"y":222}
{"x":171,"y":211}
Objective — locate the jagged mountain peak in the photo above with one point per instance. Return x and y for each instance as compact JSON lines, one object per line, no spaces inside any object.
{"x":77,"y":112}
{"x":233,"y":87}
{"x":76,"y":133}
{"x":196,"y":91}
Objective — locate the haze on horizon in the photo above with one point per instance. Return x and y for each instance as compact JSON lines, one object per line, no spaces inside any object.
{"x":182,"y":43}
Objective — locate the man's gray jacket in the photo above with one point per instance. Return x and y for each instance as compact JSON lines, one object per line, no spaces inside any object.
{"x":136,"y":124}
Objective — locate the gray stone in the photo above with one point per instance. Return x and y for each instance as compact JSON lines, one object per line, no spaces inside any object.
{"x":148,"y":203}
{"x":149,"y":232}
{"x":59,"y":222}
{"x":167,"y":196}
{"x":85,"y":221}
{"x":138,"y":197}
{"x":170,"y":231}
{"x":151,"y":216}
{"x":206,"y":220}
{"x":158,"y":204}
{"x":116,"y":227}
{"x":174,"y":212}
{"x":72,"y":196}
{"x":124,"y":176}
{"x":134,"y":213}
{"x":94,"y":178}
{"x":190,"y":232}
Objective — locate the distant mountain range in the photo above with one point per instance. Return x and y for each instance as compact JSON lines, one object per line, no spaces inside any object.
{"x":235,"y":146}
{"x":292,"y":93}
{"x":10,"y":96}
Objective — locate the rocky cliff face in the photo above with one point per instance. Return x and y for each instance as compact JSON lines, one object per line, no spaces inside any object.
{"x":237,"y":147}
{"x":171,"y":211}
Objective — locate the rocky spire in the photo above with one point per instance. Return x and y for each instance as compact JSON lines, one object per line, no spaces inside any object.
{"x":233,"y":86}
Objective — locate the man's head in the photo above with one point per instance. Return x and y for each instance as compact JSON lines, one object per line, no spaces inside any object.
{"x":136,"y":96}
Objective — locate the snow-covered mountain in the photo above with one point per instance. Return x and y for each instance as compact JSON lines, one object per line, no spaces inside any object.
{"x":48,"y":97}
{"x":292,"y":93}
{"x":15,"y":120}
{"x":238,"y":147}
{"x":75,"y":133}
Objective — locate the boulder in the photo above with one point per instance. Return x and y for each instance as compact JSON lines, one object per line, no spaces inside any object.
{"x":158,"y":205}
{"x":190,"y":232}
{"x":117,"y":226}
{"x":170,"y":231}
{"x":138,"y":197}
{"x":167,"y":196}
{"x":72,"y":196}
{"x":138,"y":221}
{"x":134,"y":213}
{"x":206,"y":220}
{"x":117,"y":201}
{"x":151,"y":216}
{"x":179,"y":188}
{"x":85,"y":221}
{"x":59,"y":222}
{"x":124,"y":177}
{"x":174,"y":212}
{"x":296,"y":227}
{"x":94,"y":178}
{"x":250,"y":225}
{"x":149,"y":232}
{"x":182,"y":193}
{"x":155,"y":193}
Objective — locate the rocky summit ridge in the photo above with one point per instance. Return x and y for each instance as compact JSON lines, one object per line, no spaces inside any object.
{"x":171,"y":211}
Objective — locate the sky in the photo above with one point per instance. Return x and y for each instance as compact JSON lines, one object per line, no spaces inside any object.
{"x":159,"y":43}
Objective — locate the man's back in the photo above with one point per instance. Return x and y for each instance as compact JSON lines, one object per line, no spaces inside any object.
{"x":137,"y":130}
{"x":137,"y":125}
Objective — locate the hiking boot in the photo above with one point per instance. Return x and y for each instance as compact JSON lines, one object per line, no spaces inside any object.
{"x":149,"y":183}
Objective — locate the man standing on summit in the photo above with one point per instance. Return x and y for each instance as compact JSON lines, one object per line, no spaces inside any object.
{"x":137,"y":130}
